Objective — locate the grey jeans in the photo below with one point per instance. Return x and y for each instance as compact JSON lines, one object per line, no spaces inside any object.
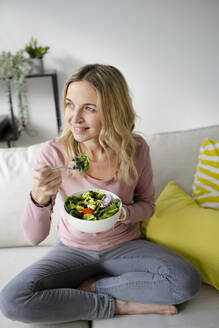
{"x":138,"y":270}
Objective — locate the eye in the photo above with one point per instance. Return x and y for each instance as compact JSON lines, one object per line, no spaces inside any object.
{"x":90,"y":109}
{"x":69,"y":104}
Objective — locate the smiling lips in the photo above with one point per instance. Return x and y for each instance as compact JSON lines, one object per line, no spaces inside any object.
{"x":79,"y":130}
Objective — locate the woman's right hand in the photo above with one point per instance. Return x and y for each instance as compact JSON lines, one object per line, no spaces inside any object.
{"x":46,"y":183}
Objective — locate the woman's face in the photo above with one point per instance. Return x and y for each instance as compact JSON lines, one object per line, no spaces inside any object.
{"x":81,"y":112}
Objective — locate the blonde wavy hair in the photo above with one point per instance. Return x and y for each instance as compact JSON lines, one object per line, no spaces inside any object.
{"x":117,"y":118}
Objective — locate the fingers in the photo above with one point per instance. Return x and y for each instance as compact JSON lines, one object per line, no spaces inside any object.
{"x":52,"y":186}
{"x":43,"y":171}
{"x":93,"y":234}
{"x":96,"y":234}
{"x":46,"y":180}
{"x":122,"y":215}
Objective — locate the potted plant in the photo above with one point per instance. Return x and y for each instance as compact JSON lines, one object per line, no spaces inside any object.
{"x":36,"y":54}
{"x":16,"y":67}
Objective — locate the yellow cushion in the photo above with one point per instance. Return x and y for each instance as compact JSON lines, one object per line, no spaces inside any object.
{"x":205,"y":189}
{"x":180,"y":224}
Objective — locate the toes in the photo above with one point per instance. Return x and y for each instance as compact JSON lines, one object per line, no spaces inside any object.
{"x":171,"y":310}
{"x":166,"y":309}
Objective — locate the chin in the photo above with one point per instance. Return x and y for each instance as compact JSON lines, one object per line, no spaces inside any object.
{"x":81,"y":137}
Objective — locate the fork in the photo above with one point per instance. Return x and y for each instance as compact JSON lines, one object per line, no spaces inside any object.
{"x":64,"y":167}
{"x":60,"y":167}
{"x":73,"y":165}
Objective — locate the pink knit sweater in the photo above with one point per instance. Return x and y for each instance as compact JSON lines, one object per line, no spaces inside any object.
{"x":137,"y":199}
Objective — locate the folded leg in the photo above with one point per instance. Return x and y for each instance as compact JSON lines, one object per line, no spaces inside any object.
{"x":46,"y":291}
{"x":147,"y":273}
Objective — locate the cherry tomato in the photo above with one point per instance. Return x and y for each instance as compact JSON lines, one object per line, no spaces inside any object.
{"x":87,"y":211}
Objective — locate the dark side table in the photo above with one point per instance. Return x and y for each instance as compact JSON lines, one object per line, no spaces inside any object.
{"x":12,"y":134}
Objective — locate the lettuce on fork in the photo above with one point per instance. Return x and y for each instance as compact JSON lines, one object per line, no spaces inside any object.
{"x":81,"y":163}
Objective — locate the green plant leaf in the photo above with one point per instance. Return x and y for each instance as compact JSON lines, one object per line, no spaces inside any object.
{"x":34,"y":50}
{"x":16,"y":67}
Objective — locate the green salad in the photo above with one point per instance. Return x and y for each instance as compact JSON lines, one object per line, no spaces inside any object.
{"x":92,"y":205}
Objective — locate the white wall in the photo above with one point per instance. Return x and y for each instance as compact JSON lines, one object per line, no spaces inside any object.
{"x":168,"y":51}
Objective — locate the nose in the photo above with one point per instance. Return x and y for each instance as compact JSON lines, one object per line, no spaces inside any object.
{"x":77,"y":116}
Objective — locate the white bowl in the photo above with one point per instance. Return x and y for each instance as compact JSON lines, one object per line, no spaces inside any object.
{"x":93,"y":226}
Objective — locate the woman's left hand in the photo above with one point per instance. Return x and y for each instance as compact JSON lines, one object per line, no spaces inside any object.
{"x":122,"y":215}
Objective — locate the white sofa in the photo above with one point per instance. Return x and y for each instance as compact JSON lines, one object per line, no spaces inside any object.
{"x":174,"y":157}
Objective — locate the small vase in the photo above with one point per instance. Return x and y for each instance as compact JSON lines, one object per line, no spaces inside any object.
{"x":37,"y":65}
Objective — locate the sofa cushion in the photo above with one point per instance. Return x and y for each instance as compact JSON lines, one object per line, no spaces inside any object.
{"x":174,"y":155}
{"x":16,"y":182}
{"x":13,"y":261}
{"x":205,"y":189}
{"x":180,"y":224}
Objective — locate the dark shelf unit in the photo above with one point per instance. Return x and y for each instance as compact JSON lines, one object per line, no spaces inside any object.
{"x":12,"y":134}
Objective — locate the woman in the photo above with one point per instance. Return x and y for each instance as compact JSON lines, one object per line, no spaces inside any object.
{"x":93,"y":276}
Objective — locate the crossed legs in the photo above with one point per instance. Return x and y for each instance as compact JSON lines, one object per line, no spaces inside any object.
{"x":143,"y":278}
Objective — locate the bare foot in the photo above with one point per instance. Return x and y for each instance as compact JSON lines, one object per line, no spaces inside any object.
{"x":87,"y":285}
{"x":126,"y":307}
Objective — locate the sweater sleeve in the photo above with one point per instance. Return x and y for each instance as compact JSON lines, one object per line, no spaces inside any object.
{"x":36,"y":221}
{"x":144,"y":194}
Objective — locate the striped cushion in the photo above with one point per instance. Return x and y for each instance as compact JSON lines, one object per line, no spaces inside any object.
{"x":205,"y":189}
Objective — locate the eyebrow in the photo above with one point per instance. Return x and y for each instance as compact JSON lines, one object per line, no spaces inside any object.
{"x":83,"y":104}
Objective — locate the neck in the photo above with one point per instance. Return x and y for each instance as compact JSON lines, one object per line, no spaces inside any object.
{"x":94,"y":152}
